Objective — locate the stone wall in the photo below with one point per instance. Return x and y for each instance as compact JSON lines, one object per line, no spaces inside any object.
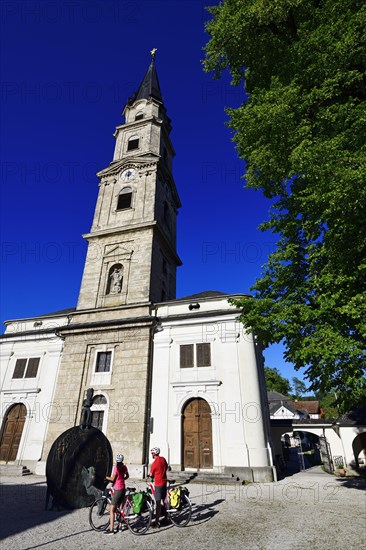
{"x":125,"y":388}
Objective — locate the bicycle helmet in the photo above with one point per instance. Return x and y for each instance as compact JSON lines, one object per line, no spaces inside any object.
{"x":120,"y":458}
{"x":155,"y":450}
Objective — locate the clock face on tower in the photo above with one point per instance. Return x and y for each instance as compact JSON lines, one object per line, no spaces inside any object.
{"x":128,"y":175}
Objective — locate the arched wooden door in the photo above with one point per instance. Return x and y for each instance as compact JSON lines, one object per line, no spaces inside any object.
{"x":12,"y":432}
{"x":197,"y":435}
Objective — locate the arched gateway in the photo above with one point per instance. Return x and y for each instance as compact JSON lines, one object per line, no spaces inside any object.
{"x":197,"y":434}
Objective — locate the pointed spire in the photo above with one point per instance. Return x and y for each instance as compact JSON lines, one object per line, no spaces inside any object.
{"x":149,"y":86}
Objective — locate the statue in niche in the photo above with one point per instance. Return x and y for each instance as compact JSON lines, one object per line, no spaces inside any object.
{"x":85,"y":417}
{"x":115,"y":281}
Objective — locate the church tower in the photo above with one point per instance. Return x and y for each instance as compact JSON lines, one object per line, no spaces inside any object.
{"x":131,"y":263}
{"x":132,"y":244}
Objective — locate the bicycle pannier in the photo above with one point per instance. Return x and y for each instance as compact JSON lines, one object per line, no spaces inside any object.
{"x":174,"y":497}
{"x":137,"y":501}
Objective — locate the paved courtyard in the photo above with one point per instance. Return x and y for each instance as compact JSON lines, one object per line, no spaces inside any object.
{"x":307,"y":510}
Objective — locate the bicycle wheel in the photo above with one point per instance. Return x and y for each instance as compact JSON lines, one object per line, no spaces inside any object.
{"x":182,"y":515}
{"x":99,"y":514}
{"x":138,"y":524}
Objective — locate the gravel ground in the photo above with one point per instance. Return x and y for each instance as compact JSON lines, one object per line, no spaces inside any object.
{"x":307,"y":510}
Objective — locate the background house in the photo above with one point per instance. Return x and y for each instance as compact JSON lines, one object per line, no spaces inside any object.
{"x":309,"y":408}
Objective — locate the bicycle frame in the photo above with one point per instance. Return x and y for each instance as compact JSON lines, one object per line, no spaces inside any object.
{"x":151,"y":491}
{"x":137,"y":523}
{"x":121,"y":512}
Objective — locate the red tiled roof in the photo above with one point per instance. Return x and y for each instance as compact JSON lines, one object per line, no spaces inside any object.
{"x":311,"y":406}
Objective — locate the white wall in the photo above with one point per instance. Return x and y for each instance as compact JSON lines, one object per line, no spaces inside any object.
{"x":21,"y":340}
{"x":348,"y":434}
{"x":230,"y":385}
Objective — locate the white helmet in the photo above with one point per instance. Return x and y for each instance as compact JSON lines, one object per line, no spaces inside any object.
{"x":155,"y":450}
{"x":120,"y":458}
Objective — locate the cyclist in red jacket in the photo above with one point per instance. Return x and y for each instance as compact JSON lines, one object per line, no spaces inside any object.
{"x":158,"y":472}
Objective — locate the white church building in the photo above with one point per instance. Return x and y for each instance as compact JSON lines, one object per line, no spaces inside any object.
{"x":181,"y":374}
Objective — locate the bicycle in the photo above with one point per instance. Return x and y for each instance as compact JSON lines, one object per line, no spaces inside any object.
{"x":180,"y":516}
{"x":138,"y":524}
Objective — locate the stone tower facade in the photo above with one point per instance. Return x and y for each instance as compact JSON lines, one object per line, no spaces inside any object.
{"x":132,"y":244}
{"x":131,"y":263}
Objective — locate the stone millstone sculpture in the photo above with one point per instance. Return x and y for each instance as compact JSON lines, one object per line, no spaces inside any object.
{"x":78,"y":462}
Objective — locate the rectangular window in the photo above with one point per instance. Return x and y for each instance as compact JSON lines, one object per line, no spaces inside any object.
{"x":203,"y":355}
{"x":186,"y":356}
{"x":26,"y":368}
{"x":103,"y":361}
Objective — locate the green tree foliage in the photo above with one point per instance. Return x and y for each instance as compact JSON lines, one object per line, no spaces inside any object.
{"x":276,"y":382}
{"x":299,"y":387}
{"x":328,"y":405}
{"x":302,"y":135}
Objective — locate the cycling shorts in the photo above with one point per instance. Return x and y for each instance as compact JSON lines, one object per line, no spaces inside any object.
{"x":118,"y":497}
{"x":160,"y":493}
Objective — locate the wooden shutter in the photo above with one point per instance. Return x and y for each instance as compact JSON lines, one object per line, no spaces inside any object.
{"x":186,"y":356}
{"x":32,"y":367}
{"x":19,"y":368}
{"x":203,"y":355}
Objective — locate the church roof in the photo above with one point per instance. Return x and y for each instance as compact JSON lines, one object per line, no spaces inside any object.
{"x":149,"y":86}
{"x":200,"y":295}
{"x":59,"y":312}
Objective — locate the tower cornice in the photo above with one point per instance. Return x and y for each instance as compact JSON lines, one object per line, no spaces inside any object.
{"x":136,"y":227}
{"x":136,"y":162}
{"x":137,"y":123}
{"x":141,"y":163}
{"x":119,"y":230}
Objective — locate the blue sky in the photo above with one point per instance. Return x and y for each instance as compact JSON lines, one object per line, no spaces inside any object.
{"x":67,"y":71}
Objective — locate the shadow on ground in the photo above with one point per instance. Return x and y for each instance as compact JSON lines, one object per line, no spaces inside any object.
{"x":22,"y":506}
{"x":352,"y":482}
